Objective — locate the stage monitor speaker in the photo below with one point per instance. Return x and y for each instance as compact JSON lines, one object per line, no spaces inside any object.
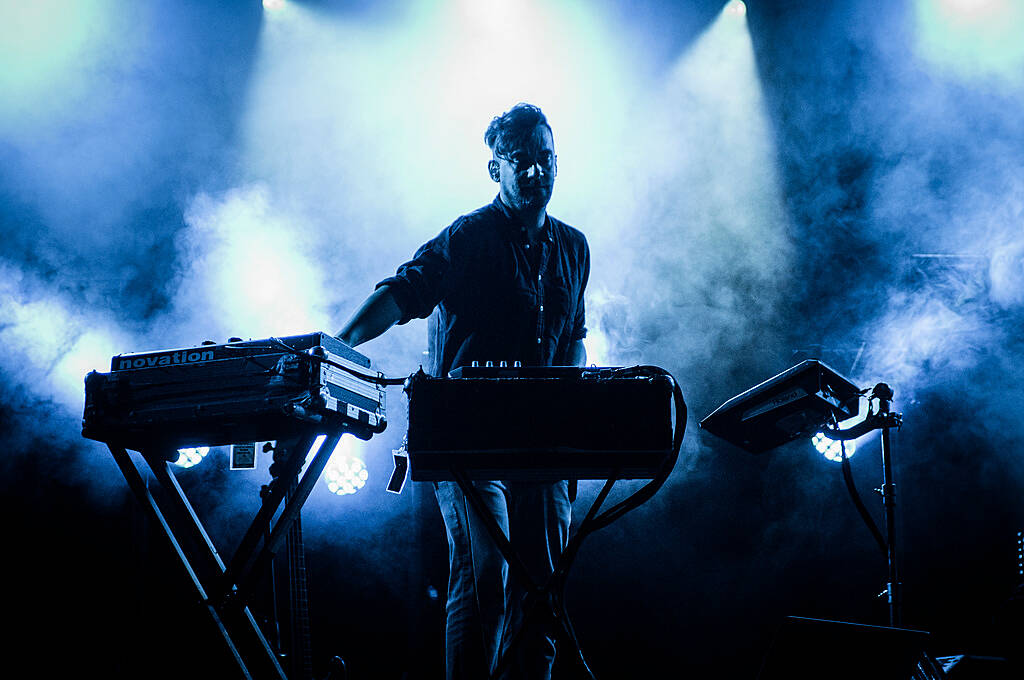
{"x":834,"y":650}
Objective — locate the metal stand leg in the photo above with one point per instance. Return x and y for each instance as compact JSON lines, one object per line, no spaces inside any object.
{"x":223,"y":590}
{"x":883,"y":419}
{"x":241,"y":561}
{"x":894,"y":588}
{"x":238,"y":628}
{"x":543,"y":600}
{"x":138,"y":486}
{"x":291,"y":509}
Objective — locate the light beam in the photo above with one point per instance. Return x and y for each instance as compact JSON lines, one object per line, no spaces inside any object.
{"x":973,"y":38}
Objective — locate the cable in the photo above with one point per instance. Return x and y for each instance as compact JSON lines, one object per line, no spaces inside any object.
{"x":378,"y":379}
{"x":861,"y":508}
{"x":652,"y":487}
{"x":593,"y":521}
{"x":645,"y":493}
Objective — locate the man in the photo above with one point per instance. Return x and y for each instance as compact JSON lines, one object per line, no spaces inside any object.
{"x":507,"y":281}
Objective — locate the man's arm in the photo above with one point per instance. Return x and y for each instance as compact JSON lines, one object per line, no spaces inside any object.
{"x":577,"y":354}
{"x":378,"y":313}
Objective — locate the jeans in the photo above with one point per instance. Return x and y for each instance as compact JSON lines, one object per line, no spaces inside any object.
{"x":484,"y":608}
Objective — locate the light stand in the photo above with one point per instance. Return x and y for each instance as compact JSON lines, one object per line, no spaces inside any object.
{"x":882,"y":419}
{"x":801,"y":400}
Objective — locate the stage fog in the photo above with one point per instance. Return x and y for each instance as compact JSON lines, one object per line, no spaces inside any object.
{"x":759,"y":183}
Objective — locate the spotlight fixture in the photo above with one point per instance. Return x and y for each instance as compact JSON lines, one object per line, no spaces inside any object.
{"x":736,"y":7}
{"x":192,"y":456}
{"x":346,"y":475}
{"x":832,"y":449}
{"x":345,"y":472}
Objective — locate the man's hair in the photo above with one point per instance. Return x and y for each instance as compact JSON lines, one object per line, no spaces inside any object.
{"x":509,"y":130}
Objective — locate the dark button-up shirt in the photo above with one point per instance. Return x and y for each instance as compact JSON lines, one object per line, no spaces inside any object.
{"x":498,"y":297}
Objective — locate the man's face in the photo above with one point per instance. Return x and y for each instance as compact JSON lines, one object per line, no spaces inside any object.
{"x":527,"y":173}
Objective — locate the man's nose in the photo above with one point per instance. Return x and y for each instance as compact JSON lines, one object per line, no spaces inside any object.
{"x":534,"y":170}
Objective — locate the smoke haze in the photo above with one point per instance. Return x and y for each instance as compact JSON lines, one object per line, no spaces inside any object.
{"x":799,"y":179}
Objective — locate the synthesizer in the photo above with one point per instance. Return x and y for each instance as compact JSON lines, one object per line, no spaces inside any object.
{"x":239,"y":391}
{"x":798,"y":402}
{"x":537,"y":423}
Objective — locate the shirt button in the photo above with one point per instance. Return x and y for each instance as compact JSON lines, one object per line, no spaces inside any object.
{"x":542,"y":308}
{"x":527,"y":246}
{"x":538,"y":341}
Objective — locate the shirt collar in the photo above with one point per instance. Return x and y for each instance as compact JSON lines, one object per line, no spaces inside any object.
{"x":547,"y":230}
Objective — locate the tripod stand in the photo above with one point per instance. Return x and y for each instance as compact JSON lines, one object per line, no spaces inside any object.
{"x":882,"y":418}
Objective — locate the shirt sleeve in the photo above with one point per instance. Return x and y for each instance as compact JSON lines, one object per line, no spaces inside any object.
{"x":579,"y":324}
{"x":421,"y":283}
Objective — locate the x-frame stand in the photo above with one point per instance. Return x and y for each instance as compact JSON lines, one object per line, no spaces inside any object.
{"x":223,"y":589}
{"x":544,"y":599}
{"x":548,"y":598}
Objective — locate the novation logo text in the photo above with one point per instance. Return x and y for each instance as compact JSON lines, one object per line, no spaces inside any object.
{"x":173,"y":358}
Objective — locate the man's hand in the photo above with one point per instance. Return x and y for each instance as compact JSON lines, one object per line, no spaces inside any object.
{"x":378,"y":313}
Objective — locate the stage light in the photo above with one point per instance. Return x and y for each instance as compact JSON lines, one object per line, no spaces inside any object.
{"x":832,"y":450}
{"x":273,"y":5}
{"x":192,"y":456}
{"x":345,"y":472}
{"x":346,"y":477}
{"x":737,"y":7}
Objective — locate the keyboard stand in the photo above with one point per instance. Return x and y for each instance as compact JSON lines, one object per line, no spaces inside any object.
{"x":224,"y":589}
{"x":441,"y":447}
{"x":545,"y":600}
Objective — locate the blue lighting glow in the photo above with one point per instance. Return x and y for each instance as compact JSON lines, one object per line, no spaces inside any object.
{"x":190,"y":457}
{"x":832,"y":450}
{"x":345,"y":472}
{"x":345,"y":475}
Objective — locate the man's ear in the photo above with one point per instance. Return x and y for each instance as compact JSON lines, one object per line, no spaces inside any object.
{"x":492,"y":170}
